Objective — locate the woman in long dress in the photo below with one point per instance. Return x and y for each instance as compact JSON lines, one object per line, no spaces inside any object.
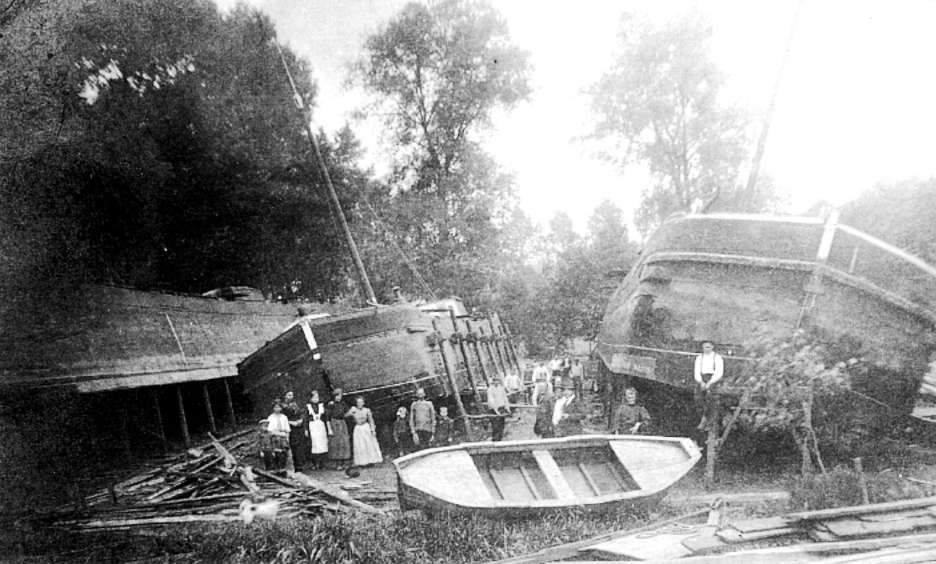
{"x":339,"y":441}
{"x":318,"y":432}
{"x":366,"y":449}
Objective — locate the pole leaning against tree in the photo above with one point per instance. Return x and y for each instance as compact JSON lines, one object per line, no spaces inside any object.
{"x":332,"y":195}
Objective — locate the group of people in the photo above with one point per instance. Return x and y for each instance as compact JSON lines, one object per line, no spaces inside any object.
{"x":318,"y":433}
{"x":421,"y":427}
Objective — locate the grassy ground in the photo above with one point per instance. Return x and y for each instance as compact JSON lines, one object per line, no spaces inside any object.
{"x":413,"y":537}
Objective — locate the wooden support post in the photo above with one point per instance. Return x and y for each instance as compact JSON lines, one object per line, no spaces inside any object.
{"x":492,"y":359}
{"x":124,"y":433}
{"x":477,"y":350}
{"x":510,"y":346}
{"x":456,"y":391}
{"x":183,"y":422}
{"x":159,"y":421}
{"x":208,"y":410}
{"x":711,"y":450}
{"x":497,"y":347}
{"x":230,"y":404}
{"x":464,"y":355}
{"x":862,"y":481}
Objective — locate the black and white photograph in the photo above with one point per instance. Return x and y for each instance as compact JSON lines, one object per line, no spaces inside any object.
{"x":467,"y":281}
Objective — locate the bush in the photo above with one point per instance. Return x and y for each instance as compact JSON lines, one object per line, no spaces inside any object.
{"x":841,"y":488}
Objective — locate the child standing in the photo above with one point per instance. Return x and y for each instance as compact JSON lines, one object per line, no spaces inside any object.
{"x":401,"y":433}
{"x":445,"y":427}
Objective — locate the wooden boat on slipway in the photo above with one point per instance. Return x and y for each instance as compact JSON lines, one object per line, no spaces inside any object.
{"x":727,"y":277}
{"x":519,"y":478}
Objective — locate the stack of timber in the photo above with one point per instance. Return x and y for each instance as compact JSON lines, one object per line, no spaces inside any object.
{"x":207,"y":484}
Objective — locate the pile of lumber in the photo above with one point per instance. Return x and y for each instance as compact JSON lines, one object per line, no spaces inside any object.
{"x":894,"y":532}
{"x":208,"y":484}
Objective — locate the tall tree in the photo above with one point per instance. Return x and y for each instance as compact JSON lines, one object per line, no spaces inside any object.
{"x":899,"y":213}
{"x":579,"y":274}
{"x":163,"y":151}
{"x":659,"y":105}
{"x":437,"y":73}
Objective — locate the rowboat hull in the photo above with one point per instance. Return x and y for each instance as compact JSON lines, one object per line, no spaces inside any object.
{"x":524,"y":478}
{"x":727,"y":277}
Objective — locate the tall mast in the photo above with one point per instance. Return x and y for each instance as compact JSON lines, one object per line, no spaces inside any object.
{"x":765,"y":128}
{"x":333,"y":196}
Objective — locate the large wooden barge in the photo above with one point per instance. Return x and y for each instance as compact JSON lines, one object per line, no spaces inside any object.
{"x":726,"y":277}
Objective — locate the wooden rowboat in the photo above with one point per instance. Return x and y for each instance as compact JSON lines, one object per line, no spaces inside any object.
{"x":517,"y":478}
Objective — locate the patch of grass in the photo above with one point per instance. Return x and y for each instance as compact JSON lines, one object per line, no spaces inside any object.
{"x":840,"y":488}
{"x":411,"y":537}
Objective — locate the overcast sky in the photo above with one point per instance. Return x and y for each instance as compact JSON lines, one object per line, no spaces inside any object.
{"x":856,"y":105}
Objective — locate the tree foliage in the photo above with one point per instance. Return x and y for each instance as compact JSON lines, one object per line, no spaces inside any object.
{"x":660,"y":106}
{"x":437,"y":73}
{"x":899,"y":213}
{"x":156,"y":146}
{"x":579,"y":275}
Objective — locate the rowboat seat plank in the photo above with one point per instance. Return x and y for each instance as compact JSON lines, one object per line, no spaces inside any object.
{"x":511,"y":484}
{"x":553,"y":474}
{"x":451,"y":474}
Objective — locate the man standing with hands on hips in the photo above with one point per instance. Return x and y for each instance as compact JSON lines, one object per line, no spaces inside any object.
{"x":709,"y":369}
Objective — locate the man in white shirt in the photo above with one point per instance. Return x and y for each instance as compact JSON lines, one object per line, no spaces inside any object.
{"x":709,"y":369}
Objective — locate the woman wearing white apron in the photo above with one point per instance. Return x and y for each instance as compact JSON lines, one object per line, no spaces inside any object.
{"x":318,"y":433}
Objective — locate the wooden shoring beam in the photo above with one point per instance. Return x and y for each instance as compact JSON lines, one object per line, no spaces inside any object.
{"x":230,"y":404}
{"x":464,"y":355}
{"x":183,"y":421}
{"x":456,"y":391}
{"x":159,"y":421}
{"x":210,"y":412}
{"x":477,"y":350}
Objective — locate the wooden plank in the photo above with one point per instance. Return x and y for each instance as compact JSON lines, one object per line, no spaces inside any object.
{"x":336,"y":493}
{"x":858,"y":527}
{"x":553,"y":474}
{"x":589,"y":479}
{"x":529,"y":482}
{"x":761,"y":524}
{"x":571,"y":549}
{"x":492,"y":472}
{"x":734,"y":536}
{"x":861,"y":509}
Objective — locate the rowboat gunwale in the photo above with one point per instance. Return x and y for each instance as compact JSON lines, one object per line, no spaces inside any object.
{"x":440,"y":500}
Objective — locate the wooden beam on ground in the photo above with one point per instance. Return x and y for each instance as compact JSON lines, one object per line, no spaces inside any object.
{"x":230,"y":404}
{"x":207,"y":397}
{"x":183,"y":422}
{"x":854,"y":510}
{"x":335,"y":493}
{"x":571,"y":549}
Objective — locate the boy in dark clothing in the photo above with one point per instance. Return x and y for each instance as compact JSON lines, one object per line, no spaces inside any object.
{"x":401,"y":433}
{"x":445,"y":428}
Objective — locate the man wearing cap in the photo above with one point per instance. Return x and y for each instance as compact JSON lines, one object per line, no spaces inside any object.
{"x":422,"y":420}
{"x":709,"y":369}
{"x":568,"y":412}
